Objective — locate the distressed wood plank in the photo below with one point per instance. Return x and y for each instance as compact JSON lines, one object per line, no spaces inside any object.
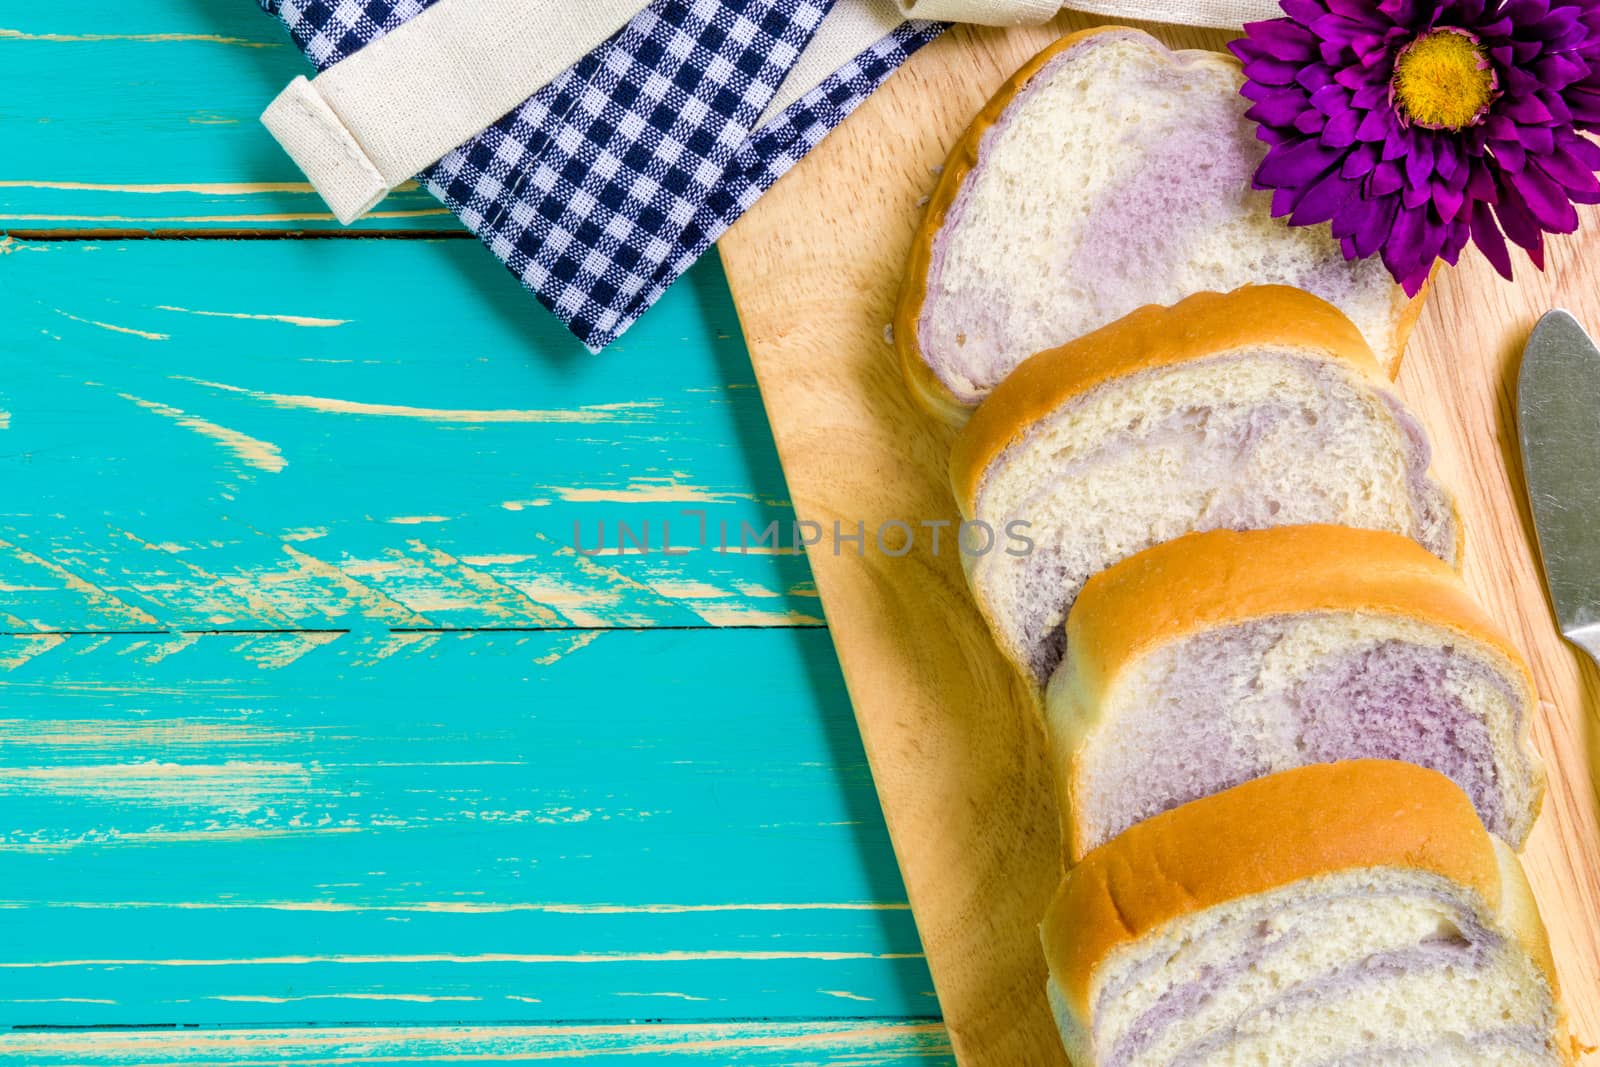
{"x":948,"y":727}
{"x":356,"y":434}
{"x":388,"y":826}
{"x":159,"y":130}
{"x":762,"y":1044}
{"x":282,"y":828}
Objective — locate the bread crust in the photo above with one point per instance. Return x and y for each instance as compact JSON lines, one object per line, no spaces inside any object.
{"x":1197,"y":327}
{"x":1205,"y":581}
{"x":1202,"y":581}
{"x":1519,"y":914}
{"x":924,"y":384}
{"x":1407,"y":322}
{"x":1270,"y":833}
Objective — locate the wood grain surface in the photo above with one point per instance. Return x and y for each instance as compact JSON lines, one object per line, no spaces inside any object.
{"x":156,"y":129}
{"x":949,"y":732}
{"x":361,"y":434}
{"x":319,"y":741}
{"x":828,"y":1043}
{"x":310,"y":711}
{"x":274,"y":828}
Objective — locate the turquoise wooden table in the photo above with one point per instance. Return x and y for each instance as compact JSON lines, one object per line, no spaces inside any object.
{"x":320,"y":740}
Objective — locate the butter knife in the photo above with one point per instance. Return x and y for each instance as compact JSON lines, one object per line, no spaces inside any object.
{"x":1558,"y":419}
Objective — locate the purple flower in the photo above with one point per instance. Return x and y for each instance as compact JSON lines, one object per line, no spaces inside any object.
{"x":1414,"y":126}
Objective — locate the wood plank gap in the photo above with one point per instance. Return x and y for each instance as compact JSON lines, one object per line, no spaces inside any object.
{"x":577,"y":1021}
{"x":417,"y":630}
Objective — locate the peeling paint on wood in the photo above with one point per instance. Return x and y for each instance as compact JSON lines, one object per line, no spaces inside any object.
{"x":148,"y":335}
{"x":373,"y":474}
{"x":293,"y":320}
{"x":365,"y":814}
{"x":262,"y":455}
{"x":867,"y":1043}
{"x":558,"y":816}
{"x":597,"y":413}
{"x":141,"y":38}
{"x":144,"y":81}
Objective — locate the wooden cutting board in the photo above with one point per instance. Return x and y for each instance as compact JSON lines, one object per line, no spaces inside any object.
{"x":955,"y":751}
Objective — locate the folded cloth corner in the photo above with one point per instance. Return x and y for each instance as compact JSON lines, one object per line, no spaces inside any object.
{"x":608,"y":182}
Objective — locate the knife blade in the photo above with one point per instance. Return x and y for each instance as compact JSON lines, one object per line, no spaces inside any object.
{"x":1558,"y":421}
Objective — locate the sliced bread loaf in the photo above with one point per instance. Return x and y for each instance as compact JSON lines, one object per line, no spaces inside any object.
{"x":1110,"y":172}
{"x":1246,"y":410}
{"x":1220,"y":657}
{"x":1335,"y":914}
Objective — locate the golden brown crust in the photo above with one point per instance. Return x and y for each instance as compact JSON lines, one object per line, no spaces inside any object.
{"x":1520,"y":914}
{"x":924,"y":384}
{"x":1408,"y":322}
{"x":1197,"y":327}
{"x":1257,"y":837}
{"x":1206,"y":580}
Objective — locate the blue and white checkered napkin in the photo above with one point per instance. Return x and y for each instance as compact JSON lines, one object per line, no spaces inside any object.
{"x":609,"y":182}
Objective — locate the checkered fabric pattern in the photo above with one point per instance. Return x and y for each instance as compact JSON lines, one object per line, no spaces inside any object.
{"x":608,"y":183}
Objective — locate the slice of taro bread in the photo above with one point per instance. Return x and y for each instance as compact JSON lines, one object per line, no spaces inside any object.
{"x":1333,"y":914}
{"x":1221,"y":657}
{"x":1110,"y":172}
{"x":1252,"y":409}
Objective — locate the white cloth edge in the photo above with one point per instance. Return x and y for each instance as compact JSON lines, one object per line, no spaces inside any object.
{"x":1220,"y":14}
{"x":303,"y":123}
{"x":1216,"y":14}
{"x":986,"y":12}
{"x":378,"y":117}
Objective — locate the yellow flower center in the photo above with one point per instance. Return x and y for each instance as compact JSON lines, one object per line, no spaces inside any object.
{"x":1443,"y":80}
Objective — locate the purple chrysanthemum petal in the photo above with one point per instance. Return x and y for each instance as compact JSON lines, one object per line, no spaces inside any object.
{"x":1359,"y":163}
{"x":1270,"y":71}
{"x":1419,"y":161}
{"x":1320,"y":202}
{"x":1546,"y":199}
{"x":1376,"y":126}
{"x":1511,"y":156}
{"x":1538,"y":140}
{"x":1310,"y":123}
{"x":1314,"y":77}
{"x":1368,"y":222}
{"x":1560,"y":113}
{"x":1284,"y":39}
{"x":1355,"y":11}
{"x":1481,"y":186}
{"x":1395,"y":144}
{"x":1560,"y":69}
{"x":1457,"y":235}
{"x":1575,"y":177}
{"x":1447,"y":202}
{"x":1387,"y":178}
{"x":1331,"y":100}
{"x":1527,"y":109}
{"x":1369,"y":96}
{"x":1447,"y":159}
{"x":1585,"y":107}
{"x":1517,"y":221}
{"x":1278,"y":109}
{"x":1299,"y":11}
{"x":1488,"y":239}
{"x":1340,"y":132}
{"x":1296,"y":165}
